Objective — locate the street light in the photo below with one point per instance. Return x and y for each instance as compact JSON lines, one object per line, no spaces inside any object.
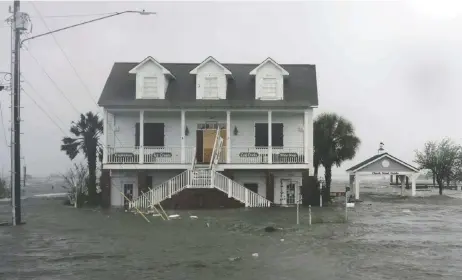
{"x":142,"y":12}
{"x":19,"y":23}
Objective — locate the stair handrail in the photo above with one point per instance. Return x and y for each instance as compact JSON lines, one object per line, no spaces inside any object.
{"x":193,"y":165}
{"x":212,"y":158}
{"x":251,"y":192}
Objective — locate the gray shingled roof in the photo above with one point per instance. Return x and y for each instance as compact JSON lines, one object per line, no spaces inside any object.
{"x":300,"y":88}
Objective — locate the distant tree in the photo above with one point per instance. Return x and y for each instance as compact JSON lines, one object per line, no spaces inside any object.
{"x":334,"y":142}
{"x":87,"y":132}
{"x":4,"y":189}
{"x":442,"y":158}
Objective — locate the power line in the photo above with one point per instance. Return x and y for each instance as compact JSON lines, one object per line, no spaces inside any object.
{"x":75,"y":71}
{"x":72,"y":16}
{"x":45,"y":112}
{"x":53,"y":82}
{"x":65,"y":55}
{"x":43,"y":100}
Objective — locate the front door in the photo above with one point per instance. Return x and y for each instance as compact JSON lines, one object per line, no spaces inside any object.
{"x":288,"y":194}
{"x":205,"y":139}
{"x":128,"y":194}
{"x":208,"y":142}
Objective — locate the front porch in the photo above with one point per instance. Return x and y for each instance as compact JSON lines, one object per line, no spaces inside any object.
{"x":250,"y":138}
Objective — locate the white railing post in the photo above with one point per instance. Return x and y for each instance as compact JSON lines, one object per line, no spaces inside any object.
{"x":212,"y":179}
{"x":105,"y":137}
{"x":246,"y":197}
{"x":170,"y":189}
{"x":228,"y":136}
{"x":183,"y":128}
{"x":308,"y":136}
{"x":230,"y":187}
{"x":141,"y":147}
{"x":270,"y":136}
{"x":152,"y":198}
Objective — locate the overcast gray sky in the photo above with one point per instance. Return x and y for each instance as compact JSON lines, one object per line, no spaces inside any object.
{"x":392,"y":68}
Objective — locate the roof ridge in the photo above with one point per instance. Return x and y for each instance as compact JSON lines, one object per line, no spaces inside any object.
{"x":230,"y":63}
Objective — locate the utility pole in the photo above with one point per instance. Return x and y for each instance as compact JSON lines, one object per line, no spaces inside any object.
{"x":20,"y":23}
{"x":15,"y":118}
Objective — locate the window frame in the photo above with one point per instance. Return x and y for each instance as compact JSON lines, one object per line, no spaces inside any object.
{"x":146,"y":135}
{"x":155,"y":94}
{"x":264,"y":87}
{"x":257,"y":144}
{"x":207,"y":87}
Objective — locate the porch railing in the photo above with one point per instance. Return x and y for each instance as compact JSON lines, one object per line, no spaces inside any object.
{"x":260,"y":155}
{"x":238,"y":155}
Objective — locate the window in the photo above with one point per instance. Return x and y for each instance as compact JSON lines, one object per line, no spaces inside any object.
{"x":153,"y":135}
{"x":269,"y":87}
{"x":251,"y":187}
{"x":261,"y":135}
{"x":211,"y":87}
{"x":150,"y":87}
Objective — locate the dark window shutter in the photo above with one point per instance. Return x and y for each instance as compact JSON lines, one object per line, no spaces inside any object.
{"x":261,"y":135}
{"x":154,"y":134}
{"x":277,"y":137}
{"x":137,"y":134}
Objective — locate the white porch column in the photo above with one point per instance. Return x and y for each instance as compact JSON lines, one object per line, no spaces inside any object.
{"x":183,"y":128}
{"x":356,"y":186}
{"x":228,"y":136}
{"x":106,"y":135}
{"x":308,"y":136}
{"x":141,"y":148}
{"x":403,"y":180}
{"x":270,"y":136}
{"x":413,"y":184}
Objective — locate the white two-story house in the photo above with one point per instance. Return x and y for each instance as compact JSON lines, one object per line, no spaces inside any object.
{"x":164,"y":123}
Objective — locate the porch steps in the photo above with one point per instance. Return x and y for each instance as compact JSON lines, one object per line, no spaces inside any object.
{"x":199,"y":178}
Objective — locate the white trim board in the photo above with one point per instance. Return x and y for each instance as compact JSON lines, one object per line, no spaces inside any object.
{"x":381,"y":157}
{"x":165,"y":71}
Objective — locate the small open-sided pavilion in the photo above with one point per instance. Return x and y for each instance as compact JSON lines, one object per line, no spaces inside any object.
{"x":383,"y":164}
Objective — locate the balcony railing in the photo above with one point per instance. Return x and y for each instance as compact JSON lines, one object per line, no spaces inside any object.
{"x":152,"y":155}
{"x":238,"y":155}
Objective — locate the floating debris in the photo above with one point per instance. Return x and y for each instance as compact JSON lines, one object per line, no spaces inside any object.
{"x":193,"y":217}
{"x":282,"y":239}
{"x":174,"y":216}
{"x":271,"y":229}
{"x":255,"y":255}
{"x":350,"y":205}
{"x":234,"y":259}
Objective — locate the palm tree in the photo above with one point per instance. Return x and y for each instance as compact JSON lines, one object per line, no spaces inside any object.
{"x":334,"y":142}
{"x":87,"y":132}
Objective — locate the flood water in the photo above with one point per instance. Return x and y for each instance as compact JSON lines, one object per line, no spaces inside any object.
{"x":386,"y":237}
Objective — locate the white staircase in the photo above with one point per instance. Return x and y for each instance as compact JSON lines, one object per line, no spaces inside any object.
{"x":200,"y":178}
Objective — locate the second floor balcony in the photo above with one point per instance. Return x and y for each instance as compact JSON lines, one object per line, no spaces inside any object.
{"x":170,"y":139}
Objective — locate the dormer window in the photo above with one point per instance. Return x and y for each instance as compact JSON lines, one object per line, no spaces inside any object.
{"x":269,"y":80}
{"x":211,"y":87}
{"x":152,"y":79}
{"x":150,"y":87}
{"x":270,"y":88}
{"x":211,"y":79}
